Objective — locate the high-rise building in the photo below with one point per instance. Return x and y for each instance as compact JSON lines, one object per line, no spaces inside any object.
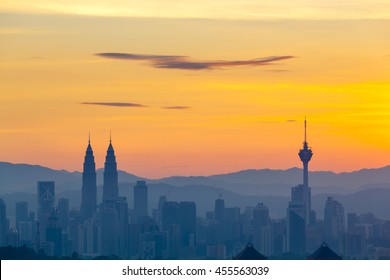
{"x":219,"y":209}
{"x":334,"y":224}
{"x":299,"y":209}
{"x":21,"y":213}
{"x":296,"y":228}
{"x":188,"y":222}
{"x":123,"y":226}
{"x":3,"y":223}
{"x":261,"y":229}
{"x":179,"y":220}
{"x":109,"y":235}
{"x":63,"y":213}
{"x":110,"y":175}
{"x":46,"y":198}
{"x":88,"y":190}
{"x":54,"y":233}
{"x":140,"y":200}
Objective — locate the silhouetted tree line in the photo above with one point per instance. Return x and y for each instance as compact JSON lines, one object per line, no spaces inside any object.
{"x":26,"y":253}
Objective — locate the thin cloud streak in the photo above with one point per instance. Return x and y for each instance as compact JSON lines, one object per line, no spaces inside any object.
{"x":185,"y":63}
{"x":114,"y":104}
{"x":176,"y":107}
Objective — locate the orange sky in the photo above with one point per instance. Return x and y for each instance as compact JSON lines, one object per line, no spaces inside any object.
{"x":219,"y":119}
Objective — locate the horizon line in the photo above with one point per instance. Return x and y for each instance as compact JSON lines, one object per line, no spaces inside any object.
{"x":212,"y":174}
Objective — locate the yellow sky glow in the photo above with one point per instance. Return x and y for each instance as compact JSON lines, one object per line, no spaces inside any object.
{"x":233,"y":118}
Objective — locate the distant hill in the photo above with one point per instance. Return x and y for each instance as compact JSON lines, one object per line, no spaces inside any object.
{"x":279,"y":182}
{"x":24,"y":177}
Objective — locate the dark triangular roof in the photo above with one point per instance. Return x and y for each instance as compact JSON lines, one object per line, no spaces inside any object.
{"x":324,"y":253}
{"x":249,"y":253}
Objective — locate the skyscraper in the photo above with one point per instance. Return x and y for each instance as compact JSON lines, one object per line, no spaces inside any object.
{"x":109,"y":236}
{"x":63,"y":213}
{"x":219,"y":209}
{"x":299,"y":208}
{"x":261,"y":228}
{"x":187,"y":211}
{"x":46,"y":198}
{"x":88,"y":191}
{"x":140,"y":199}
{"x":21,"y":213}
{"x":334,"y":224}
{"x":3,"y":223}
{"x":110,"y":180}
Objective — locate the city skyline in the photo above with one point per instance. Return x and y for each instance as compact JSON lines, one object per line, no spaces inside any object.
{"x":195,"y":95}
{"x":110,"y":229}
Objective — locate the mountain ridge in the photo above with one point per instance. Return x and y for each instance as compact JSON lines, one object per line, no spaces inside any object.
{"x":250,"y":182}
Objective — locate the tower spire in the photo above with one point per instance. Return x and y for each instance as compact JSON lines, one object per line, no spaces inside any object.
{"x":88,"y":190}
{"x":110,"y":175}
{"x":305,"y":155}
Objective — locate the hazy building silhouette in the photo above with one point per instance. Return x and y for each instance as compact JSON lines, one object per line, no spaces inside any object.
{"x":54,"y":234}
{"x":88,"y":190}
{"x":219,"y":209}
{"x":140,"y":200}
{"x":109,"y":235}
{"x":278,"y":237}
{"x":46,"y":197}
{"x":161,"y":201}
{"x":296,"y":229}
{"x":110,"y":175}
{"x":334,"y":224}
{"x":353,"y":222}
{"x":123,"y":226}
{"x":179,"y":220}
{"x":21,"y":213}
{"x":218,"y":234}
{"x":188,"y":222}
{"x":3,"y":223}
{"x":63,"y":213}
{"x":261,"y":228}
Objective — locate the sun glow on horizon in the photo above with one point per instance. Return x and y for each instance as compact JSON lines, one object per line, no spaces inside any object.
{"x":188,"y":99}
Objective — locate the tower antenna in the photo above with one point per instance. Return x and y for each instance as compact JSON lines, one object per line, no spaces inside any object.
{"x":89,"y":137}
{"x":305,"y":129}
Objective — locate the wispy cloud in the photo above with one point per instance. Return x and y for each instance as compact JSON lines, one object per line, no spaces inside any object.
{"x":176,"y":107}
{"x":126,"y":104}
{"x":114,"y":104}
{"x":185,"y":63}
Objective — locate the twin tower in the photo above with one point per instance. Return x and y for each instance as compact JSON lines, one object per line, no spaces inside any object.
{"x":89,"y":188}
